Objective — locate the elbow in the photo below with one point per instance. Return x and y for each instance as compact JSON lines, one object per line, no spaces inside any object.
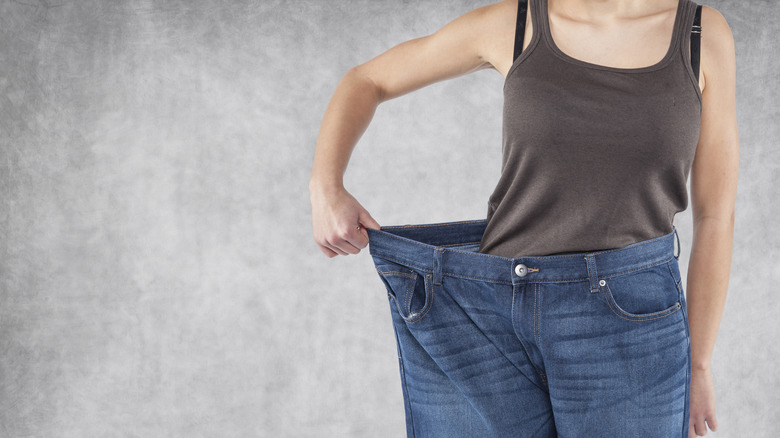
{"x":720,"y":219}
{"x":364,"y":80}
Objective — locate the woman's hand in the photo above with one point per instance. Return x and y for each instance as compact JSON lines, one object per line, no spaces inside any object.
{"x":339,"y":221}
{"x":702,"y":403}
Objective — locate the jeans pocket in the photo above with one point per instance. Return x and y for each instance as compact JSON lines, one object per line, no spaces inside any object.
{"x":645,"y":294}
{"x":409,"y":288}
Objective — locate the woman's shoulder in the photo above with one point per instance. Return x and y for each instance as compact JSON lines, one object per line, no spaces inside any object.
{"x":715,"y":24}
{"x":717,"y":45}
{"x":494,"y":26}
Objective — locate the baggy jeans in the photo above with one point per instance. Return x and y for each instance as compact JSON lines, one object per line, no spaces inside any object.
{"x":592,"y":344}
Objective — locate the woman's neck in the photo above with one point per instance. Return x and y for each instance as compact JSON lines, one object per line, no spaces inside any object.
{"x":605,"y":11}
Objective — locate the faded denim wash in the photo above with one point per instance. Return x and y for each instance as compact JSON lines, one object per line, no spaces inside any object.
{"x":589,"y":344}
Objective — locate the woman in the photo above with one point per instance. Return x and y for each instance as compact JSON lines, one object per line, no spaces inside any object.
{"x":562,"y":313}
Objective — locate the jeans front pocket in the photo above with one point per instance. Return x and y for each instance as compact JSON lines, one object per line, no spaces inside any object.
{"x":644,"y":294}
{"x":409,"y":288}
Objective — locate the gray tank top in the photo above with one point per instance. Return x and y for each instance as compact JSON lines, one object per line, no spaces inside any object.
{"x":594,"y":157}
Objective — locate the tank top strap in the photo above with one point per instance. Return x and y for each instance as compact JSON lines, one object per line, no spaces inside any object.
{"x":690,"y":41}
{"x":522,"y":10}
{"x":695,"y":42}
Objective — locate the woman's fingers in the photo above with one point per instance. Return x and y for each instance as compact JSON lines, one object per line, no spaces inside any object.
{"x":712,"y":422}
{"x":347,"y":240}
{"x":339,"y":222}
{"x":367,"y":221}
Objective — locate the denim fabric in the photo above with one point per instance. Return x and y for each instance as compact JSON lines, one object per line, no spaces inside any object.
{"x":575,"y":345}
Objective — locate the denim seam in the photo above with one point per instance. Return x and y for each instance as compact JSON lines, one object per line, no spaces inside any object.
{"x":490,"y":341}
{"x":490,"y":280}
{"x":410,"y":286}
{"x":638,"y":268}
{"x":407,"y":299}
{"x":428,"y":298}
{"x":452,"y":274}
{"x":403,"y":381}
{"x":419,"y":268}
{"x":517,"y":335}
{"x":536,"y":300}
{"x":590,"y":261}
{"x":538,"y":324}
{"x":529,"y":281}
{"x":686,"y":409}
{"x":536,"y":313}
{"x":461,"y":244}
{"x":410,"y":275}
{"x":539,"y":320}
{"x":405,"y":274}
{"x":671,"y":272}
{"x":636,"y":317}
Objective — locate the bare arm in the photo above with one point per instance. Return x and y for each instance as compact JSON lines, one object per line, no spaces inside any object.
{"x":713,"y":195}
{"x":460,"y":47}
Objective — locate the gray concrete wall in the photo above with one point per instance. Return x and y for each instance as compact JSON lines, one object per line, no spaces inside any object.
{"x":158,"y":275}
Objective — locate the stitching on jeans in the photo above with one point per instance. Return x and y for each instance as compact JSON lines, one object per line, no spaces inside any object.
{"x":539,"y":331}
{"x":410,"y":286}
{"x":514,"y":326}
{"x":536,"y":298}
{"x":519,"y":338}
{"x":537,"y":324}
{"x":407,"y":400}
{"x":634,"y":317}
{"x":408,"y":296}
{"x":460,"y":244}
{"x":671,"y":272}
{"x":452,"y":274}
{"x":537,"y":312}
{"x":405,"y":274}
{"x":589,"y":262}
{"x":429,"y":287}
{"x":638,"y":268}
{"x":493,"y":343}
{"x":419,"y":268}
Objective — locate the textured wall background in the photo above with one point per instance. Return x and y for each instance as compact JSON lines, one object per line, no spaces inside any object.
{"x":158,"y":275}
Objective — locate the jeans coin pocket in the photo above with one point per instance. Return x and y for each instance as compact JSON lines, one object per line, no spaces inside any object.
{"x":410,"y":289}
{"x":645,"y":294}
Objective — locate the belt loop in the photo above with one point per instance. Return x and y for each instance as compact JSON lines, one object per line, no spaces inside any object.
{"x":437,"y":253}
{"x":678,"y":242}
{"x":590,"y":260}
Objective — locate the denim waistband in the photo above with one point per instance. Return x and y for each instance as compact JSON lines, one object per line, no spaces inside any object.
{"x":440,"y":249}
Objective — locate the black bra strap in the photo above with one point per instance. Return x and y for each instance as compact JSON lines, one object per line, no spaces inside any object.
{"x":695,"y":42}
{"x":522,"y":8}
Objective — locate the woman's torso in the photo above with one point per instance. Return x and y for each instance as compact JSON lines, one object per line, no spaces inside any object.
{"x":594,"y":157}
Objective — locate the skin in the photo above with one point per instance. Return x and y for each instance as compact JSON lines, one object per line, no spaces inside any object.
{"x":604,"y":32}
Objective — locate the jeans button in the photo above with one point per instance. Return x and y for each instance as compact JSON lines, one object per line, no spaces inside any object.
{"x":602,"y":282}
{"x":521,"y":270}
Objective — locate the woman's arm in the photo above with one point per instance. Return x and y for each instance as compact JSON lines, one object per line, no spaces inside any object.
{"x":713,"y":195}
{"x":464,"y":45}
